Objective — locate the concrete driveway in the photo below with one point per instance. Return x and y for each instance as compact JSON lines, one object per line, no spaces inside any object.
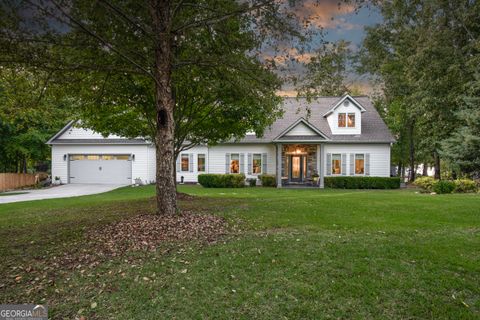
{"x":64,"y":191}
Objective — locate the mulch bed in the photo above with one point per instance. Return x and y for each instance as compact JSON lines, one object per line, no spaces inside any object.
{"x":146,"y":231}
{"x":185,"y":197}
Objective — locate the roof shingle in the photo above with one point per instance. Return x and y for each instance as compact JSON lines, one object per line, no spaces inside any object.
{"x":374,"y":129}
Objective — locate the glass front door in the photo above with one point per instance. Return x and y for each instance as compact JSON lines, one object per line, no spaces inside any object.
{"x":297,"y":168}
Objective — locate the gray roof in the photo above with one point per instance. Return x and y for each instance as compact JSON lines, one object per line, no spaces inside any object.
{"x":55,"y":139}
{"x":374,"y":129}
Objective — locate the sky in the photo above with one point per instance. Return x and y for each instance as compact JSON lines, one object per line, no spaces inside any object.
{"x":339,"y":22}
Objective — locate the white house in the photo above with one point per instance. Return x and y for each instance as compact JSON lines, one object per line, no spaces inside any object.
{"x":329,"y":136}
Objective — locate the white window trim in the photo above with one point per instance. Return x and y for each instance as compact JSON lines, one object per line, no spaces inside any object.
{"x":181,"y":158}
{"x":355,"y":164}
{"x":230,"y":164}
{"x":261,"y":164}
{"x":204,"y":160}
{"x":336,"y":174}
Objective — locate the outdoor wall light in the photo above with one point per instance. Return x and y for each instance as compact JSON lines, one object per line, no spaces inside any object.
{"x":64,"y":157}
{"x":133,"y":157}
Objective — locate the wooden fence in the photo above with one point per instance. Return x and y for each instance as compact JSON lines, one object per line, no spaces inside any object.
{"x":9,"y":181}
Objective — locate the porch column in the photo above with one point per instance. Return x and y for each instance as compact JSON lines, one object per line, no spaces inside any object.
{"x":279,"y":165}
{"x":322,"y":165}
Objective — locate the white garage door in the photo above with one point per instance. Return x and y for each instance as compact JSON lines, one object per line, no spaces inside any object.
{"x":100,"y":168}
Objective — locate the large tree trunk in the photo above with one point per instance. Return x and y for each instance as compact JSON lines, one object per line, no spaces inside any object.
{"x":166,"y":189}
{"x":400,"y":166}
{"x":436,"y":159}
{"x":411,"y":176}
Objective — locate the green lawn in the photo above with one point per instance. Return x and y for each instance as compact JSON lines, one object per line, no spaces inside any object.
{"x":309,"y":254}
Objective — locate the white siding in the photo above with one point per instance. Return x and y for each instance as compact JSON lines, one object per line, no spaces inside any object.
{"x":140,"y":166}
{"x":152,"y":163}
{"x":301,"y":130}
{"x":144,"y":164}
{"x":333,"y":120}
{"x":379,"y":156}
{"x":193,"y":176}
{"x":215,"y":158}
{"x":81,"y":133}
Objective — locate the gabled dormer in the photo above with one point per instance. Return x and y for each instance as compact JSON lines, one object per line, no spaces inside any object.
{"x":301,"y":130}
{"x":345,"y":117}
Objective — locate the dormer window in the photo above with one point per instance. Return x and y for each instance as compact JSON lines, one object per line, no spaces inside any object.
{"x":346,"y":120}
{"x":351,"y":120}
{"x":341,"y":120}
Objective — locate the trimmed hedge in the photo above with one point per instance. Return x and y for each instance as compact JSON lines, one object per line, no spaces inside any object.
{"x":208,"y":180}
{"x":252,"y":182}
{"x":268,"y":180}
{"x":429,"y":184}
{"x":362,"y":182}
{"x":443,"y":186}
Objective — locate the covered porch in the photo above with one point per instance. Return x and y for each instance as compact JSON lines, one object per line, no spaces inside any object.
{"x":299,"y":164}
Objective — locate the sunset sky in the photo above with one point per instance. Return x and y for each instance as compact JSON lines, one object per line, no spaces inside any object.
{"x":342,"y":22}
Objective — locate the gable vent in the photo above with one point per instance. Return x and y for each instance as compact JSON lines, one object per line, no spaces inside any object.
{"x":346,"y":103}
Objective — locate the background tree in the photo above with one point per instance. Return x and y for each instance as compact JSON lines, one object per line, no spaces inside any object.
{"x":326,"y":72}
{"x":30,"y":113}
{"x":419,"y":55}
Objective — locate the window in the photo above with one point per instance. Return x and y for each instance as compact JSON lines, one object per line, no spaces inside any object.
{"x":93,"y":157}
{"x":341,"y":120}
{"x":351,"y":120}
{"x":123,"y":157}
{"x":108,"y":157}
{"x":359,"y":163}
{"x":201,"y":163}
{"x":77,"y":157}
{"x":336,"y":164}
{"x":257,"y":163}
{"x":234,"y":163}
{"x":184,"y":162}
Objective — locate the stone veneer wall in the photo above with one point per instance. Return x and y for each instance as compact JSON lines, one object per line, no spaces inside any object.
{"x":309,"y":150}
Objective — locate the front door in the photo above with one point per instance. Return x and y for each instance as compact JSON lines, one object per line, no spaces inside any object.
{"x":296,"y":168}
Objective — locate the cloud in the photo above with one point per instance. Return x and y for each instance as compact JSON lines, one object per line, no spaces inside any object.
{"x":323,"y":14}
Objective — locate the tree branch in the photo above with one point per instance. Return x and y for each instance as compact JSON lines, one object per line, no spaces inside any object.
{"x":106,"y":43}
{"x":120,"y":13}
{"x":219,"y":18}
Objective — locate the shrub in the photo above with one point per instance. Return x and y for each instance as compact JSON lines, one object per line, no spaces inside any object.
{"x":252,"y":182}
{"x":222,"y":180}
{"x":443,"y":186}
{"x":362,"y":182}
{"x":426,"y":183}
{"x":268,"y":180}
{"x":465,"y":185}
